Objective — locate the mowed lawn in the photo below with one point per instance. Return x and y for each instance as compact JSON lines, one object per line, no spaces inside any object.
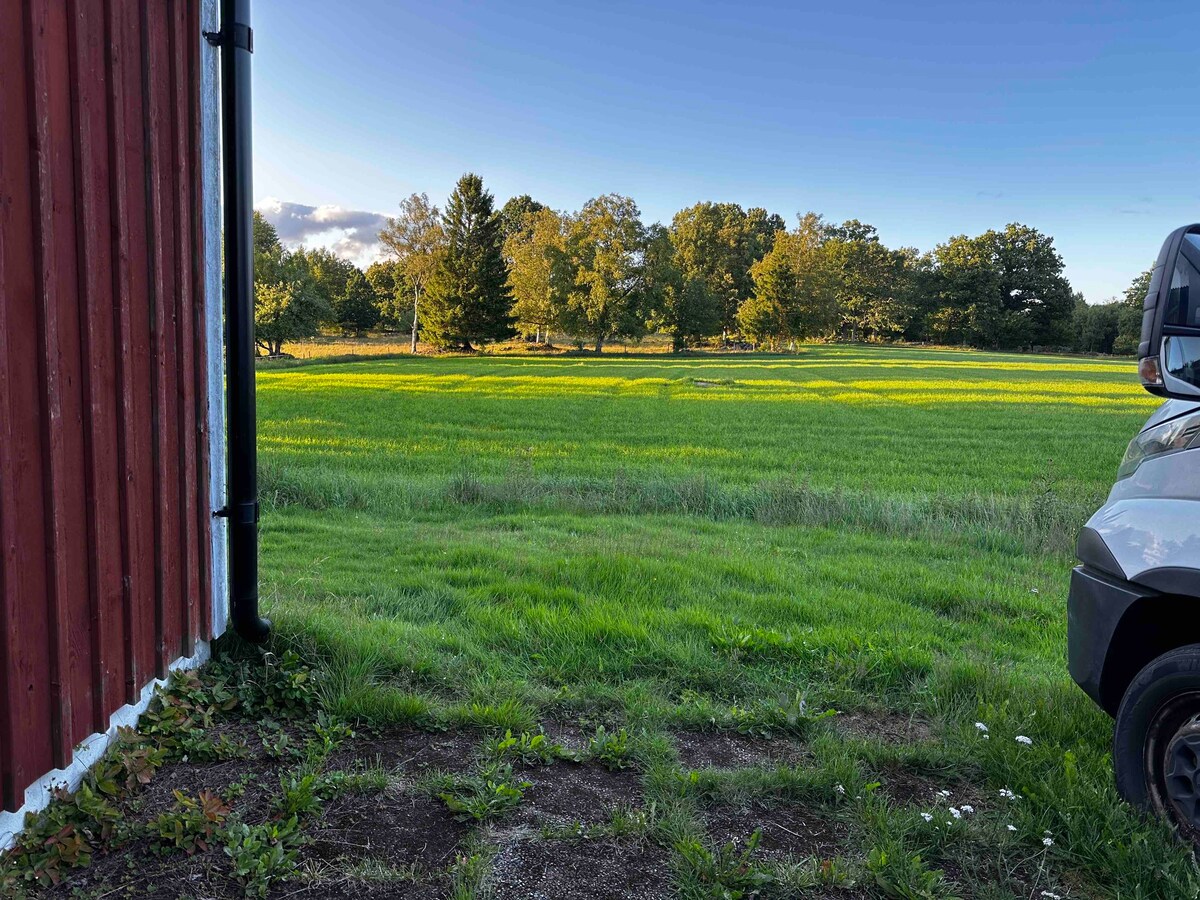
{"x":721,"y":548}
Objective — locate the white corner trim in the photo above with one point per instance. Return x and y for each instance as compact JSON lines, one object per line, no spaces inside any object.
{"x":87,"y":753}
{"x":210,"y":186}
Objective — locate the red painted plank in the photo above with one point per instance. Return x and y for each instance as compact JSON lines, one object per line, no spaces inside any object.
{"x":164,"y":327}
{"x":195,"y":181}
{"x":62,"y":423}
{"x":104,"y":520}
{"x":131,"y":264}
{"x":101,"y":476}
{"x":183,"y":169}
{"x":24,"y":627}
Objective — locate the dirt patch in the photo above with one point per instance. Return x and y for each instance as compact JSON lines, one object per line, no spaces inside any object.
{"x":911,"y":789}
{"x":408,"y":750}
{"x":731,"y":750}
{"x":576,"y":733}
{"x":346,"y":888}
{"x":882,"y":725}
{"x":142,"y":874}
{"x":394,"y":827}
{"x":566,"y":793}
{"x":1022,"y":878}
{"x":398,"y":830}
{"x":572,"y":735}
{"x":531,"y":869}
{"x":787,"y":830}
{"x":257,"y":774}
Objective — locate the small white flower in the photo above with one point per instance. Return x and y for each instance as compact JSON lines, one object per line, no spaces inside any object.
{"x":1027,"y":741}
{"x":1034,"y":591}
{"x":1011,"y":827}
{"x":838,"y":789}
{"x":943,"y":794}
{"x":1049,"y":842}
{"x":987,"y":737}
{"x":967,"y":809}
{"x":1006,"y":794}
{"x":981,"y":727}
{"x":956,"y":813}
{"x":928,"y":817}
{"x":1050,"y":895}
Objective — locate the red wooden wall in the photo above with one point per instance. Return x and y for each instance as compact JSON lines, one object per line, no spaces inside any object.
{"x":104,"y":519}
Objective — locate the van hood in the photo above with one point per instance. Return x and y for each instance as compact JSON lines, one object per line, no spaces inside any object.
{"x":1170,"y":410}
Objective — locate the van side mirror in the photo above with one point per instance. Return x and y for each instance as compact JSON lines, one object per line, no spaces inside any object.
{"x":1169,"y":353}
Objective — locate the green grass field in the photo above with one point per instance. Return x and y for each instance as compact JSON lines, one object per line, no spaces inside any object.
{"x":731,"y":544}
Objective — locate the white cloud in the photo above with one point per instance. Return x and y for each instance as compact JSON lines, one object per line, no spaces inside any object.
{"x":351,"y":233}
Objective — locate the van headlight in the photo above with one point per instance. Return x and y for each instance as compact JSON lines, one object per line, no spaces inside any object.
{"x":1169,"y":437}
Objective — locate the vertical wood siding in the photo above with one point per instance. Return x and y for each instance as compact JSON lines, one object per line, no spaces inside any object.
{"x":104,"y":512}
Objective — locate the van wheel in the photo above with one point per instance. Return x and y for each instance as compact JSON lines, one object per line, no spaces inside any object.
{"x":1156,"y":744}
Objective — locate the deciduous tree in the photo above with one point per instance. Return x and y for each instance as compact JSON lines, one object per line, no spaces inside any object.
{"x":681,"y":307}
{"x":1037,"y":301}
{"x":1129,"y":316}
{"x":287,"y":304}
{"x":392,"y":296}
{"x":966,"y":286}
{"x":716,"y":244}
{"x":358,"y":308}
{"x":1002,"y":289}
{"x":794,"y":290}
{"x":417,"y":241}
{"x":872,"y":283}
{"x":331,"y":275}
{"x":610,"y":287}
{"x":266,"y":243}
{"x":538,"y":270}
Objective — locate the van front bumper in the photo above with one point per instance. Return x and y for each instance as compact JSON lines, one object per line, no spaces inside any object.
{"x":1095,"y":606}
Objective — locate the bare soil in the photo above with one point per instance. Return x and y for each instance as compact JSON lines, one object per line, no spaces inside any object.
{"x":575,"y":734}
{"x":534,"y":869}
{"x":883,"y":725}
{"x":1022,"y":878}
{"x":396,"y":827}
{"x":401,"y":843}
{"x":256,"y":772}
{"x":566,"y":793}
{"x":345,"y":888}
{"x":788,"y":830}
{"x":408,"y":750}
{"x":731,"y":750}
{"x":909,"y":788}
{"x":137,"y":872}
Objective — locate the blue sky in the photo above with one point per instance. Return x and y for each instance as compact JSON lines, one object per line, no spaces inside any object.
{"x":924,"y":119}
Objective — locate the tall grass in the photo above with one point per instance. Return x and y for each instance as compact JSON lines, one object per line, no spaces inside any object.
{"x":1042,"y":523}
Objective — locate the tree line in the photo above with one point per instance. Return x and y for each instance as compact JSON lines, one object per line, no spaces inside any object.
{"x":470,"y":274}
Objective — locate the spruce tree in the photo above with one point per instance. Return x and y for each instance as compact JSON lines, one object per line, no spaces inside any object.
{"x":469,"y":300}
{"x":357,"y":309}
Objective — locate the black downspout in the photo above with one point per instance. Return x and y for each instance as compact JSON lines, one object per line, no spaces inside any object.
{"x":237,"y":43}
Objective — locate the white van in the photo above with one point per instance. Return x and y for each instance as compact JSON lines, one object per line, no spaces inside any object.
{"x":1133,"y":623}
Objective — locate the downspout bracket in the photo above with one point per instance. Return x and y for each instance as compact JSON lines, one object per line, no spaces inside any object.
{"x":232,"y":35}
